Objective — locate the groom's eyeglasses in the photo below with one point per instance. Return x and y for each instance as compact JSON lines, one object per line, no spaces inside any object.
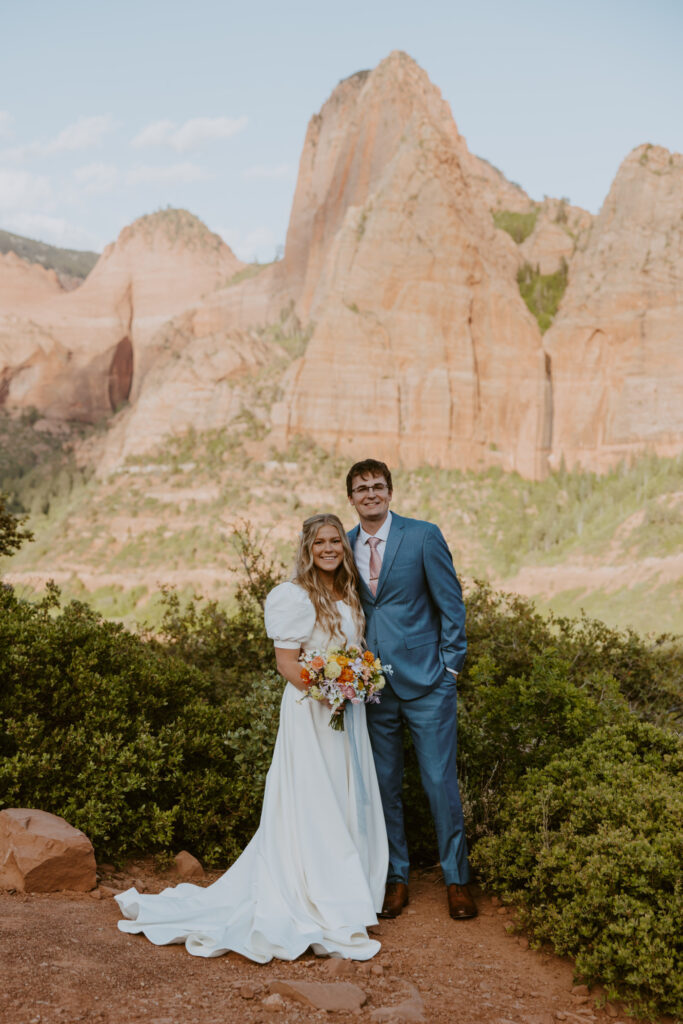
{"x":372,"y":489}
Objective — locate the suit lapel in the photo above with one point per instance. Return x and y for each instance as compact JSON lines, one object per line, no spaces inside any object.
{"x":393,"y":544}
{"x":365,"y":589}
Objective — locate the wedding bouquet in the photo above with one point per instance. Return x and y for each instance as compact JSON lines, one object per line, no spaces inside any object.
{"x":342,"y":675}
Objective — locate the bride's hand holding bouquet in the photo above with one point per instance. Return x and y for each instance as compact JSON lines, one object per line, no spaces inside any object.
{"x":340,"y":676}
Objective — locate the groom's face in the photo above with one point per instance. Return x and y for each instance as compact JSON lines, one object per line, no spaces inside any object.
{"x":370,"y":497}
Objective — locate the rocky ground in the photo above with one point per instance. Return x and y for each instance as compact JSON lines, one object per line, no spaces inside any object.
{"x":63,"y":959}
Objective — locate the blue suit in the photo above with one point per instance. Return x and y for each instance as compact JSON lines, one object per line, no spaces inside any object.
{"x":416,"y":624}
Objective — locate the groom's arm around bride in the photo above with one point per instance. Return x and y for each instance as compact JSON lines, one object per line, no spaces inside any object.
{"x":416,"y":622}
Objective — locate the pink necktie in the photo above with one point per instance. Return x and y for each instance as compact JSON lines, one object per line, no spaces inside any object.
{"x":375,"y":563}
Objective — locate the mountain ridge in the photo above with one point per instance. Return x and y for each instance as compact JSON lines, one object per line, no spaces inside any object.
{"x":403,"y":269}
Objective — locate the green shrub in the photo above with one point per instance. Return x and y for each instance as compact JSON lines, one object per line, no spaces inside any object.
{"x":542,"y":293}
{"x":12,"y":536}
{"x":232,"y":648}
{"x":590,"y":852}
{"x":117,"y":735}
{"x":518,"y":225}
{"x":508,"y":726}
{"x":512,"y":633}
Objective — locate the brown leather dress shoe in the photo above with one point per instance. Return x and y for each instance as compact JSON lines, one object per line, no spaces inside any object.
{"x":460,"y":903}
{"x":395,"y":899}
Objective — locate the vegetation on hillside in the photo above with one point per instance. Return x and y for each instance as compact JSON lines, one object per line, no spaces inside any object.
{"x":518,"y":225}
{"x":74,"y":262}
{"x":156,"y":741}
{"x":176,"y":225}
{"x":542,"y":293}
{"x":170,"y":512}
{"x":12,"y":530}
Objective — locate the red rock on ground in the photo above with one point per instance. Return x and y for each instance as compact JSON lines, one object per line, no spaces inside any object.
{"x":338,"y":996}
{"x":40,"y":852}
{"x":188,"y":866}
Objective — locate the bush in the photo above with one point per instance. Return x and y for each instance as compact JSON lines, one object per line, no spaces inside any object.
{"x":518,"y":225}
{"x":117,"y":735}
{"x":12,"y":536}
{"x":511,"y":725}
{"x":542,"y":293}
{"x":232,"y":648}
{"x":590,"y":851}
{"x":508,"y":629}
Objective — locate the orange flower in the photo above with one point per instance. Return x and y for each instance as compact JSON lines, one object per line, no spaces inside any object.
{"x":305,"y":675}
{"x":318,"y":663}
{"x":369,"y":657}
{"x":341,"y":660}
{"x":346,"y":676}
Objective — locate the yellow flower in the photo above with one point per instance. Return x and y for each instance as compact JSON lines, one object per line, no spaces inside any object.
{"x":332,"y":670}
{"x":314,"y":692}
{"x":378,"y":665}
{"x":341,"y":660}
{"x":379,"y":685}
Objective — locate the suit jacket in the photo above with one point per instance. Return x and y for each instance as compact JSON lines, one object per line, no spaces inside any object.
{"x":416,"y":620}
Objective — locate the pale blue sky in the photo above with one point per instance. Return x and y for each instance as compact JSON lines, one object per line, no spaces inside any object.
{"x":112,"y":110}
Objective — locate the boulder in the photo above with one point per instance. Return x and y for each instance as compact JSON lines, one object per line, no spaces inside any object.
{"x":188,"y":866}
{"x":40,"y":852}
{"x":337,"y":997}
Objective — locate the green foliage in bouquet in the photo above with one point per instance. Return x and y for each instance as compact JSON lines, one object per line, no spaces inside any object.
{"x":590,"y":851}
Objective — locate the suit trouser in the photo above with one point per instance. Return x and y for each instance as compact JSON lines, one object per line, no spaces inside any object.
{"x":432,"y":721}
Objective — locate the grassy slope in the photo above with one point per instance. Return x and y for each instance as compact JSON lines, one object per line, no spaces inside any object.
{"x":74,"y":262}
{"x":168,"y":518}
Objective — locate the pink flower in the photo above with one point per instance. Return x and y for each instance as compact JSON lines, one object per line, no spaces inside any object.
{"x":348,"y":691}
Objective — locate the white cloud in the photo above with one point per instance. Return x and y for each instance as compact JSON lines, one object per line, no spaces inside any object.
{"x":97,"y":178}
{"x":189,"y":135}
{"x":84,"y":133}
{"x":173,"y":174}
{"x":21,"y":188}
{"x":5,"y":123}
{"x":155,"y":134}
{"x":54,"y":230}
{"x":263,"y":171}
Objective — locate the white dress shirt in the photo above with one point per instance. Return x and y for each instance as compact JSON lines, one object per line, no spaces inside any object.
{"x":362,"y":548}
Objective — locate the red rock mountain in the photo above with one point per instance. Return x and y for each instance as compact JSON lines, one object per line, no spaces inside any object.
{"x":421,"y":348}
{"x":86,"y":352}
{"x":617,"y":343}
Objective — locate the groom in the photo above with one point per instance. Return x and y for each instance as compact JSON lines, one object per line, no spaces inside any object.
{"x":415,"y":623}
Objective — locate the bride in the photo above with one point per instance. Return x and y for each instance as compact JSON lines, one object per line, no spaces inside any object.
{"x":314,"y":873}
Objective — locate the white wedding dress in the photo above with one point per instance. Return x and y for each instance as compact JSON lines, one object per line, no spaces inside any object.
{"x":314,"y":873}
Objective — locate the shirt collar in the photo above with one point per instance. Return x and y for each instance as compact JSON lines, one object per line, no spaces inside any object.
{"x":381,"y":534}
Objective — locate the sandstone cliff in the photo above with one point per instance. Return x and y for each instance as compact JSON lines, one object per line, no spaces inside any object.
{"x":617,"y":344}
{"x":24,"y":286}
{"x":558,"y":233}
{"x":423,"y":350}
{"x":85,"y":353}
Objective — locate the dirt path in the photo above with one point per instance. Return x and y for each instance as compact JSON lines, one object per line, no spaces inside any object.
{"x":62,"y":959}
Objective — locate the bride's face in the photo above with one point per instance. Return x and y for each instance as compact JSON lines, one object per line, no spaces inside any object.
{"x":328,"y":552}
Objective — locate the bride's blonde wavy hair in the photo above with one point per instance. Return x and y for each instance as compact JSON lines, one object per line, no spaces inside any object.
{"x":346,"y":579}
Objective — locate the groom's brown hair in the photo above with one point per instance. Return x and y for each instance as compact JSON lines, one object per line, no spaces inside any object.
{"x":368,"y":467}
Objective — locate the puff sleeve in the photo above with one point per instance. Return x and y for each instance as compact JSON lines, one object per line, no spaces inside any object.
{"x":289,"y":615}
